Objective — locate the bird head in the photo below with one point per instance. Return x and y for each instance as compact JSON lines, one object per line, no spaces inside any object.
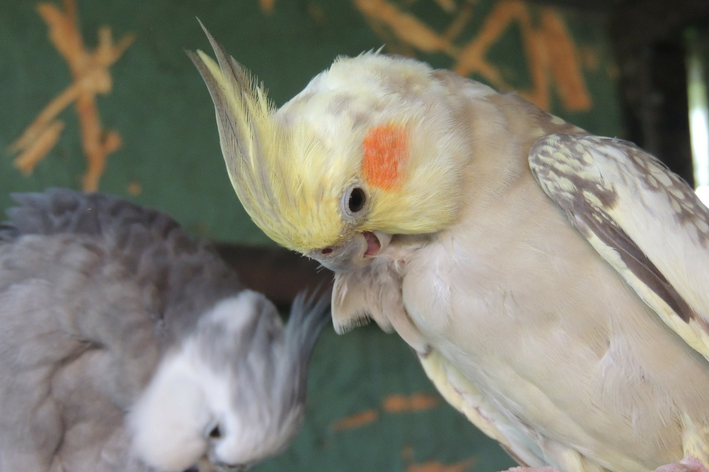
{"x":364,"y":152}
{"x":233,"y":392}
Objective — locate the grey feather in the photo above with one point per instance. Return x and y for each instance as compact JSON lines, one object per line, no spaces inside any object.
{"x":151,"y":245}
{"x":95,"y":292}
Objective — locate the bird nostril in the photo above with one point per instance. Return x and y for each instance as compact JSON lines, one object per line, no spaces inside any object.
{"x":215,"y":433}
{"x":327,"y":250}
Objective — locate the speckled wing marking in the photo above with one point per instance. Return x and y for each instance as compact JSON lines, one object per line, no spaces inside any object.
{"x":641,"y":218}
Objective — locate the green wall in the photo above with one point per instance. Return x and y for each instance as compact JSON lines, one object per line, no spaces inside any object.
{"x":162,"y":110}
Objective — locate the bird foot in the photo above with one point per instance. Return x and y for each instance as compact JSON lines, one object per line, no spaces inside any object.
{"x":538,"y":469}
{"x":688,"y":464}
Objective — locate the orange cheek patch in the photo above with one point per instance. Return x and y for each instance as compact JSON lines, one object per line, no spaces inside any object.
{"x":386,"y":149}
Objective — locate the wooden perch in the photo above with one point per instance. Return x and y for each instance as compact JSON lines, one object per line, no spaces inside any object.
{"x":276,"y":272}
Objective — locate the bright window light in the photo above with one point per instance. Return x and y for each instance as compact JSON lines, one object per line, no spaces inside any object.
{"x":698,"y":114}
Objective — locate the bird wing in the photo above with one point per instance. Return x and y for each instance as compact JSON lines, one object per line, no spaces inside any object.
{"x":93,"y":289}
{"x":645,"y":221}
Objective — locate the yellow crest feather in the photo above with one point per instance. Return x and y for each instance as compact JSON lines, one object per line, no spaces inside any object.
{"x":291,"y":168}
{"x":290,"y":210}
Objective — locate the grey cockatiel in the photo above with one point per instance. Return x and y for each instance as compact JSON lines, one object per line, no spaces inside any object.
{"x":126,"y":346}
{"x":554,"y":284}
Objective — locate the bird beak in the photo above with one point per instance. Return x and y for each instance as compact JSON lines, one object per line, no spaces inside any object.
{"x":207,"y":465}
{"x":231,"y":468}
{"x":355,"y":253}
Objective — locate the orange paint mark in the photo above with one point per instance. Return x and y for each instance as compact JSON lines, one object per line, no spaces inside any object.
{"x":90,"y":71}
{"x":407,"y":452}
{"x":387,"y":18}
{"x":267,"y":6}
{"x":316,"y":13}
{"x":416,"y":402}
{"x":472,"y":57}
{"x":550,"y":50}
{"x":35,"y":151}
{"x":408,"y":455}
{"x":134,"y":188}
{"x":589,"y":58}
{"x":356,"y":421}
{"x":438,"y":467}
{"x":461,"y":20}
{"x":564,"y":63}
{"x":552,"y":57}
{"x":386,"y":150}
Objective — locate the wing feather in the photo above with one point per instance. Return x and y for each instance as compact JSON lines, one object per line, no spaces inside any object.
{"x":645,"y":221}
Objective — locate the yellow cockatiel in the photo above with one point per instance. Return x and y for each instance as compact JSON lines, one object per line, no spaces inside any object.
{"x":554,"y":284}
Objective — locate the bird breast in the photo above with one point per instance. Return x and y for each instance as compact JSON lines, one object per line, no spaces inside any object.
{"x":517,"y":300}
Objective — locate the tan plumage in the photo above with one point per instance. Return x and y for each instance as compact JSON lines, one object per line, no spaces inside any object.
{"x":551,"y":282}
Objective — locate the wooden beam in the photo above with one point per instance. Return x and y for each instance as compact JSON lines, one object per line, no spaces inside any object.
{"x":648,"y":38}
{"x":276,"y":272}
{"x":639,"y":23}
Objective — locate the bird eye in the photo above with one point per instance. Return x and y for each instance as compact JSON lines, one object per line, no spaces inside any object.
{"x":356,"y":200}
{"x":215,"y":433}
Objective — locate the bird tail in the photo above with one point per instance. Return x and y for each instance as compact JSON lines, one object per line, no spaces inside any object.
{"x":308,"y":316}
{"x":58,"y":210}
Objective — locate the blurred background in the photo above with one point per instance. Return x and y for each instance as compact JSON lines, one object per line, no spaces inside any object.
{"x":100,"y":95}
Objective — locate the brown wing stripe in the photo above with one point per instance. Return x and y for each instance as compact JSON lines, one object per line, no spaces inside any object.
{"x":603,"y":226}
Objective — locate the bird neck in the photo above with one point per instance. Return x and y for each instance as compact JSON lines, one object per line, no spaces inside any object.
{"x":502,"y":134}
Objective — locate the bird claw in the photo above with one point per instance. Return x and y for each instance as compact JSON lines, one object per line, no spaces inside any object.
{"x":534,"y":469}
{"x":688,"y":464}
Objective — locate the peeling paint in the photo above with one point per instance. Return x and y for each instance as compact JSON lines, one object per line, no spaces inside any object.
{"x":356,"y":421}
{"x":415,"y":402}
{"x":90,"y":70}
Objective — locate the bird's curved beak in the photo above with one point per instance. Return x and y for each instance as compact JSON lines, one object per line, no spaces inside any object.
{"x":207,"y":465}
{"x":355,"y":253}
{"x":231,"y":468}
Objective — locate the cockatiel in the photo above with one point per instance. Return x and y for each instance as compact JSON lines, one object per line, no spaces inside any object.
{"x":126,"y":346}
{"x":553,"y":283}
